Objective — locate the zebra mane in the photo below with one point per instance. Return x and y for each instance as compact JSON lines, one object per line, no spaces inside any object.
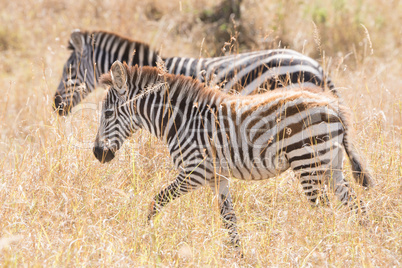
{"x":88,"y":36}
{"x":153,"y":79}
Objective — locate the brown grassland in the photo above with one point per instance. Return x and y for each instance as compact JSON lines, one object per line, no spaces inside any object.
{"x":60,"y":207}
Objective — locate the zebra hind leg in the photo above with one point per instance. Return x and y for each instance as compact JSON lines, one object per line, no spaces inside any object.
{"x":314,"y":188}
{"x":337,"y":183}
{"x":329,"y":172}
{"x":345,"y":193}
{"x":322,"y":165}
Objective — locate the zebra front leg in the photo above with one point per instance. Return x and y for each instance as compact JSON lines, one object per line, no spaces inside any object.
{"x":220,"y":186}
{"x":181,"y":185}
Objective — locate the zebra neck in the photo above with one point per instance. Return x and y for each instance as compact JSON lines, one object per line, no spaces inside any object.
{"x":110,"y":47}
{"x":169,"y":111}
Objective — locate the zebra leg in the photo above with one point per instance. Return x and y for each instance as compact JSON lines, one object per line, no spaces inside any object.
{"x":220,"y":187}
{"x":181,"y":185}
{"x":344,"y":192}
{"x":311,"y":165}
{"x":312,"y":183}
{"x":337,"y":183}
{"x":327,"y":168}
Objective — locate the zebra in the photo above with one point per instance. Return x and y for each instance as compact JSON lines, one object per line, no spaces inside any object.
{"x":94,"y":52}
{"x":212,"y":136}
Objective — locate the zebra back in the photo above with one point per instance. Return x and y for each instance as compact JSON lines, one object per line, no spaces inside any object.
{"x":247,"y":73}
{"x":254,"y":72}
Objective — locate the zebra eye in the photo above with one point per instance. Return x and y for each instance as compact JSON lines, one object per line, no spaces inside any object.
{"x":108,"y":114}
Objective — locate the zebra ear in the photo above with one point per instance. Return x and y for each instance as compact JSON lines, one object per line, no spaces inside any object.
{"x":119,"y":77}
{"x":77,"y":40}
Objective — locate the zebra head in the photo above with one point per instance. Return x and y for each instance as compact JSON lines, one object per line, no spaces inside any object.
{"x":78,"y":73}
{"x":117,"y":119}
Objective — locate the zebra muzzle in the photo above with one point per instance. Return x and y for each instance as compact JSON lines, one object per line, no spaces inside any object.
{"x":103,"y":155}
{"x":59,"y":105}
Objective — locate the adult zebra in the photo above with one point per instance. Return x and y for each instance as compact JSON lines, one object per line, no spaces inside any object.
{"x":212,"y":135}
{"x":93,"y":54}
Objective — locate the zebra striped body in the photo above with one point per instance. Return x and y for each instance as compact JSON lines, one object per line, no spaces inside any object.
{"x":212,"y":135}
{"x":248,"y":72}
{"x":94,"y":53}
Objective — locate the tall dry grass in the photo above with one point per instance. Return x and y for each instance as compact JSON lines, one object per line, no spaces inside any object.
{"x":60,"y":207}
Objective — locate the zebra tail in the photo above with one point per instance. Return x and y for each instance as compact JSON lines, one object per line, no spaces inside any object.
{"x":360,"y":171}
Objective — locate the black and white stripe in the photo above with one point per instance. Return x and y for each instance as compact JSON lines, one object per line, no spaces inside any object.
{"x":246,"y":72}
{"x":93,"y":54}
{"x":212,"y":135}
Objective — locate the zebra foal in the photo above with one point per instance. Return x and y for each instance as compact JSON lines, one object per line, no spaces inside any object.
{"x":94,"y":52}
{"x":212,"y":135}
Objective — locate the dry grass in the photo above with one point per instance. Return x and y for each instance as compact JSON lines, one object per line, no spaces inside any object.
{"x":60,"y":207}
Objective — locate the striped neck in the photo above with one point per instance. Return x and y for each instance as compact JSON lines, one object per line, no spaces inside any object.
{"x":164,"y":104}
{"x":109,"y":47}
